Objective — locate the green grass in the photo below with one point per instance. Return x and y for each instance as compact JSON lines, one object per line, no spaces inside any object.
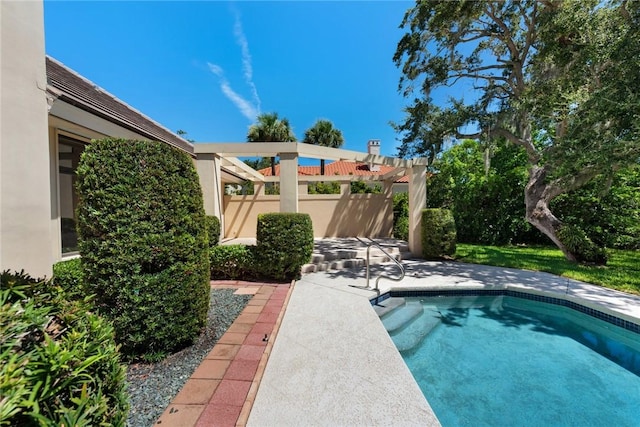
{"x":622,"y":271}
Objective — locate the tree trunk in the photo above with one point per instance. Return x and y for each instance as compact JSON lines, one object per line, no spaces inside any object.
{"x":537,"y":197}
{"x":321,"y":166}
{"x":273,"y":166}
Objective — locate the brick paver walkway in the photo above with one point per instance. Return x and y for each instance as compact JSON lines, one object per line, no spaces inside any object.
{"x":220,"y":392}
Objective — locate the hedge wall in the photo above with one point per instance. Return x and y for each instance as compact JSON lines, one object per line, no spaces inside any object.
{"x":143,"y":242}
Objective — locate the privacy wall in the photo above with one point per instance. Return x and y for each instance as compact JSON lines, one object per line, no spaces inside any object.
{"x":333,"y":215}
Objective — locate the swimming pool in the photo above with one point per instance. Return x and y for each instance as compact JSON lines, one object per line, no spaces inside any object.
{"x":505,"y":361}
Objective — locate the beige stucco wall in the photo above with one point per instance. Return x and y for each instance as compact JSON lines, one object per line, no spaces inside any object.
{"x":25,"y":210}
{"x":340,"y":215}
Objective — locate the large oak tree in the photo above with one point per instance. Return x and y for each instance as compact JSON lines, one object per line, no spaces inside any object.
{"x":558,"y":78}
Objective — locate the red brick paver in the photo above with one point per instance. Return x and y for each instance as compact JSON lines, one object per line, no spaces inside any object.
{"x":220,"y":392}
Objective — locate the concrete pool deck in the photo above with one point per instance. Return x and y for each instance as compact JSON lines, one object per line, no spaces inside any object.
{"x":333,"y":363}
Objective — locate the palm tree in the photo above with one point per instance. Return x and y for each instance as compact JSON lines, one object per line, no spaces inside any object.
{"x":323,"y":133}
{"x":269,"y":128}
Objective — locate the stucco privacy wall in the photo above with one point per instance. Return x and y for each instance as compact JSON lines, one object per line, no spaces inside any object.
{"x":25,"y":204}
{"x":340,"y":215}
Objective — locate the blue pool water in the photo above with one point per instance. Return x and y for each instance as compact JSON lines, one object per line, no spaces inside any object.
{"x":505,"y":361}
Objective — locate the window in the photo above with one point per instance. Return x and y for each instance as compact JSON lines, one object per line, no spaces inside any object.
{"x":69,"y":151}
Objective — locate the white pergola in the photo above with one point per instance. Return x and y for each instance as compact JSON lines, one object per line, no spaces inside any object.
{"x":215,"y":160}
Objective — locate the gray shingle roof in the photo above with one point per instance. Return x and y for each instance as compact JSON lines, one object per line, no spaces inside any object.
{"x":84,"y":94}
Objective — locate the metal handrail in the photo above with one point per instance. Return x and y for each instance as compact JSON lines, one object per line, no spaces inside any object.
{"x":382,"y":276}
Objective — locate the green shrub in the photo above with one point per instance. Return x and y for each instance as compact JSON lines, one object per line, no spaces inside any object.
{"x":213,"y":230}
{"x":68,"y":275}
{"x":577,"y":242}
{"x":438,"y":233}
{"x":143,"y":242}
{"x":284,"y":244}
{"x":332,"y":187}
{"x":233,"y":262}
{"x":361,"y":187}
{"x":401,"y":216}
{"x":59,"y":363}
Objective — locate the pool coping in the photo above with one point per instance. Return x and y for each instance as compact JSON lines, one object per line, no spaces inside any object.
{"x":576,"y":304}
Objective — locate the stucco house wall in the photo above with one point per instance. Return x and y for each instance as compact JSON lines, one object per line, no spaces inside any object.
{"x":25,"y":212}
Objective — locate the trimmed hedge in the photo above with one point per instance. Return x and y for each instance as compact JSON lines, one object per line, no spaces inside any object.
{"x":284,"y":244}
{"x":143,"y":242}
{"x":213,"y":230}
{"x":233,"y":262}
{"x":59,"y":364}
{"x":438,"y":233}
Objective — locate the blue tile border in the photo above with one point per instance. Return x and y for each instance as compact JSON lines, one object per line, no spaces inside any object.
{"x":622,"y":323}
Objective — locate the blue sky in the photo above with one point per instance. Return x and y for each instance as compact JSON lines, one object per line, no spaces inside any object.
{"x":209,"y":67}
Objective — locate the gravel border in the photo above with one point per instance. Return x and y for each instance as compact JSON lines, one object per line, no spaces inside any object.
{"x":151,"y":387}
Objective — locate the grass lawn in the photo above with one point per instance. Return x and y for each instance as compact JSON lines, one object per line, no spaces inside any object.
{"x":622,"y":271}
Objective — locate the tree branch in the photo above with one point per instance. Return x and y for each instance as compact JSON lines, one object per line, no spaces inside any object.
{"x":565,"y":184}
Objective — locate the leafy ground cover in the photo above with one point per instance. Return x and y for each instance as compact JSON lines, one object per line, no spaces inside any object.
{"x":622,"y":271}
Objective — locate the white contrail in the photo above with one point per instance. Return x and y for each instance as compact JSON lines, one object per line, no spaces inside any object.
{"x":246,"y":58}
{"x":246,"y":108}
{"x":250,"y":109}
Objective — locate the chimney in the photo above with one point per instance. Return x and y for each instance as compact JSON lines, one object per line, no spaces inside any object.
{"x":373,"y":147}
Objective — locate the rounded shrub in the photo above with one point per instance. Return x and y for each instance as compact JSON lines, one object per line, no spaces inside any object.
{"x":59,"y":364}
{"x":284,"y":244}
{"x":438,"y":233}
{"x":213,"y":230}
{"x":143,"y":242}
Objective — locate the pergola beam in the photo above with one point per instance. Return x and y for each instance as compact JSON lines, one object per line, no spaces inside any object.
{"x":322,"y":178}
{"x":241,"y":168}
{"x":272,"y":149}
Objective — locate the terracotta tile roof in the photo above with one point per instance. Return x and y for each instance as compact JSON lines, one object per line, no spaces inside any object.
{"x":84,"y":94}
{"x":338,"y":168}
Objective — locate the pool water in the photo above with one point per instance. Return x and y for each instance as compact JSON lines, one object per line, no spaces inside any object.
{"x":505,"y":361}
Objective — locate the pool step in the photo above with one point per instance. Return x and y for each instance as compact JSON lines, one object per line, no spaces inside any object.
{"x":388,"y":305}
{"x":402,"y":316}
{"x":414,"y":333}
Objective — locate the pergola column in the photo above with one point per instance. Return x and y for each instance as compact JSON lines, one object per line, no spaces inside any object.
{"x":208,"y":167}
{"x":417,"y":202}
{"x":289,"y":182}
